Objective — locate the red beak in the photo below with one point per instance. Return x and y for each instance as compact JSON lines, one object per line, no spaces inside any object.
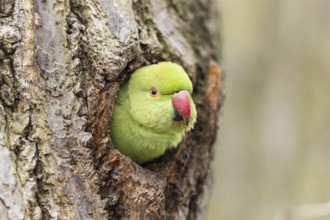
{"x":181,"y":104}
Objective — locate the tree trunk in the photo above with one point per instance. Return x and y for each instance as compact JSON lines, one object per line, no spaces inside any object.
{"x":61,"y":65}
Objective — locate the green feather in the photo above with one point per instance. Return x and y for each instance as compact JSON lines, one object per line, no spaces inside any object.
{"x":142,"y":127}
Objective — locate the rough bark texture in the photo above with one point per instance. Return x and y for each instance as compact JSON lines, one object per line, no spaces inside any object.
{"x":61,"y":65}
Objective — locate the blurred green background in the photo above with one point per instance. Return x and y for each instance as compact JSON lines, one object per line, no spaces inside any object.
{"x":273,"y":147}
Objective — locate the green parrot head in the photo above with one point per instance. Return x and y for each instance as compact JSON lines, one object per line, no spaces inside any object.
{"x":160,"y":98}
{"x":152,"y":111}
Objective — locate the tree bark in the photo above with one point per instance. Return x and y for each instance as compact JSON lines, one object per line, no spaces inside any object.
{"x":61,"y":65}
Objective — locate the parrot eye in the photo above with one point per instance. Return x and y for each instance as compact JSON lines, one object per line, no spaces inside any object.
{"x":153,"y":92}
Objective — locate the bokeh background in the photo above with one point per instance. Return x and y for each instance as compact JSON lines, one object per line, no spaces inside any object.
{"x":273,"y":148}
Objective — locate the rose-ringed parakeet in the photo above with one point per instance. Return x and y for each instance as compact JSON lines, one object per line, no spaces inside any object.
{"x":152,"y":111}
